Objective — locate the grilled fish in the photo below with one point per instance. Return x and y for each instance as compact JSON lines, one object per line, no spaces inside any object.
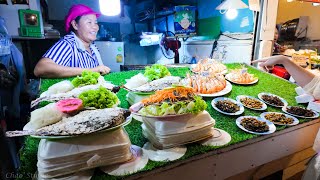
{"x":86,"y":122}
{"x":74,"y":93}
{"x":158,"y":84}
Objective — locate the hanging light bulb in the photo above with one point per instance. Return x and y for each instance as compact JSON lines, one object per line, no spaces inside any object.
{"x":232,"y":4}
{"x":110,"y":7}
{"x":231,"y":14}
{"x":229,"y":7}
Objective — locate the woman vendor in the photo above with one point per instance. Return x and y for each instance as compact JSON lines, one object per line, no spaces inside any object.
{"x":311,"y":84}
{"x":76,"y":51}
{"x":277,"y":48}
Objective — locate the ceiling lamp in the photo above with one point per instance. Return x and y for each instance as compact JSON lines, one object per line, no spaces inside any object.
{"x":232,"y":4}
{"x":229,"y":7}
{"x":110,"y":7}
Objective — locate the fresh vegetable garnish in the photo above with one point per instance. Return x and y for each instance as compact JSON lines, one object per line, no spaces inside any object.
{"x":174,"y":94}
{"x":86,"y":78}
{"x":100,"y":98}
{"x":156,"y":71}
{"x":173,"y":101}
{"x":70,"y":106}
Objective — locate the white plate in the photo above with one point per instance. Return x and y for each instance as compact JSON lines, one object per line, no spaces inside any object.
{"x":160,"y":117}
{"x":224,"y":91}
{"x":264,"y":106}
{"x":168,"y":154}
{"x":214,"y":101}
{"x":295,"y":120}
{"x":138,"y":162}
{"x":272,"y":127}
{"x":285,"y":103}
{"x":229,"y":79}
{"x":139,"y":92}
{"x":284,"y":109}
{"x":194,"y":65}
{"x":126,"y":122}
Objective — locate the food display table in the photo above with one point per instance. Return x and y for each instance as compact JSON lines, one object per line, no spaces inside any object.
{"x":247,"y":155}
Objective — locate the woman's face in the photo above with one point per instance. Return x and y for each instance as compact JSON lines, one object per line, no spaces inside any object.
{"x":276,"y":34}
{"x":87,"y":28}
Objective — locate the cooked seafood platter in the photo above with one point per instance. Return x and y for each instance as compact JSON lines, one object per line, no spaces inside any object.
{"x":155,"y":85}
{"x":241,"y":76}
{"x":72,"y":89}
{"x":255,"y":125}
{"x":155,"y":78}
{"x":227,"y":106}
{"x":208,"y":85}
{"x":272,"y":99}
{"x":211,"y":66}
{"x":280,"y":118}
{"x":65,"y":126}
{"x":170,"y":101}
{"x":93,"y":110}
{"x":251,"y":102}
{"x":174,"y":116}
{"x":300,"y":112}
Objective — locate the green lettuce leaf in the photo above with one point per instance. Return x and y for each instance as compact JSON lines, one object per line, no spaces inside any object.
{"x":86,"y":78}
{"x":196,"y":106}
{"x":156,"y":71}
{"x":100,"y":98}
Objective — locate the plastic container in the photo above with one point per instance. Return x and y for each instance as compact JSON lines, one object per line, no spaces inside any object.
{"x":193,"y":60}
{"x":281,"y":72}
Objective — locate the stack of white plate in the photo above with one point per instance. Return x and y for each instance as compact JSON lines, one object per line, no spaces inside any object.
{"x":133,"y":98}
{"x":171,"y":131}
{"x":59,"y":157}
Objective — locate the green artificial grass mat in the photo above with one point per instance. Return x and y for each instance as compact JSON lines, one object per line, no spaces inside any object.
{"x":266,"y":83}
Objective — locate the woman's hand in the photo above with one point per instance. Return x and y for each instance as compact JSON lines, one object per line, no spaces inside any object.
{"x":268,"y":63}
{"x":102,"y":69}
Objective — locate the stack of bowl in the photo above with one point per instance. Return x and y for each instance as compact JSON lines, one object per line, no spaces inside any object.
{"x":174,"y":130}
{"x":60,"y":157}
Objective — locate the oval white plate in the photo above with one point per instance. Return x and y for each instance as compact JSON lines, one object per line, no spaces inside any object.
{"x":229,"y":79}
{"x":272,"y":127}
{"x":214,"y":101}
{"x":224,"y":91}
{"x":285,"y":103}
{"x":264,"y":106}
{"x":138,"y":162}
{"x":139,"y":92}
{"x":284,"y":109}
{"x":169,"y":154}
{"x":194,"y":65}
{"x":295,"y":120}
{"x":126,"y":122}
{"x":160,"y":117}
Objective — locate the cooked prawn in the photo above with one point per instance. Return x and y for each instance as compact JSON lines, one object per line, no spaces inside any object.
{"x":205,"y":84}
{"x":241,"y":76}
{"x":209,"y":65}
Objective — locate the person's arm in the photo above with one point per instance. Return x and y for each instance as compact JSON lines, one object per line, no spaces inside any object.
{"x":299,"y":74}
{"x":47,"y":68}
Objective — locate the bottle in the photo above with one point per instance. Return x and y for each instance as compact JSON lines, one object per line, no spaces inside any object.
{"x":193,"y":60}
{"x":103,"y":32}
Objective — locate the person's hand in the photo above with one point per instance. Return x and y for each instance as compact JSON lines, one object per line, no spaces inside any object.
{"x":102,"y":69}
{"x":268,"y":62}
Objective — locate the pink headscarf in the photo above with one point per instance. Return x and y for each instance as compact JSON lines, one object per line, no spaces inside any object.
{"x":75,"y":11}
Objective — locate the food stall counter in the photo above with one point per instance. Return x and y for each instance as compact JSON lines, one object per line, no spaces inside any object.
{"x":246,"y":155}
